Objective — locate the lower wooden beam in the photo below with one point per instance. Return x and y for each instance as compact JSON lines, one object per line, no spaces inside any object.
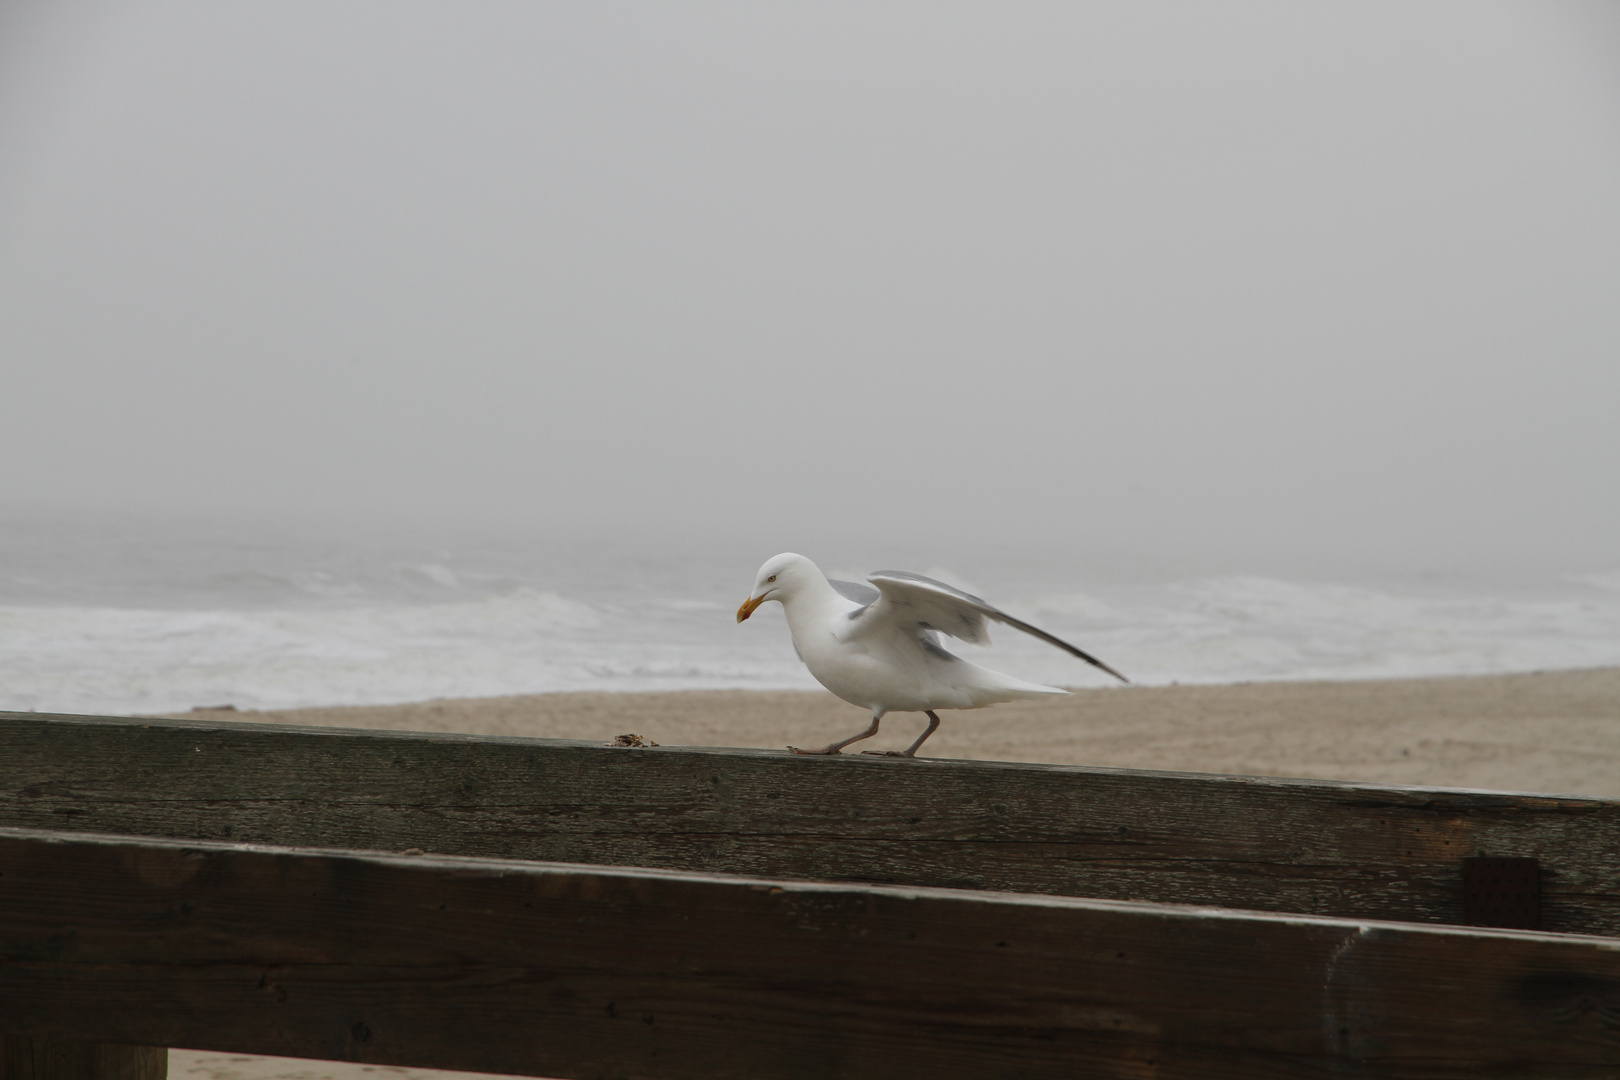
{"x":577,"y":971}
{"x":35,"y":1058}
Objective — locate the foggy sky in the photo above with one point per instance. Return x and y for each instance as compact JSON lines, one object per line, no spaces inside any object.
{"x":1258,"y":277}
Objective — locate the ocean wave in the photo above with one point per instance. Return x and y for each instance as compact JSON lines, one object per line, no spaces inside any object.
{"x":87,"y":658}
{"x":1230,"y":629}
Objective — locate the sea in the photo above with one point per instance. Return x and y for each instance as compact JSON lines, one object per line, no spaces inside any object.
{"x":158,"y":614}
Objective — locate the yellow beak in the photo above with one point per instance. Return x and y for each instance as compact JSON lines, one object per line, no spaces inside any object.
{"x":749,"y":607}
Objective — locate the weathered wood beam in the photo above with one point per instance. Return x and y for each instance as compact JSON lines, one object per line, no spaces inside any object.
{"x":24,"y":1058}
{"x":1320,"y":847}
{"x":575,"y":971}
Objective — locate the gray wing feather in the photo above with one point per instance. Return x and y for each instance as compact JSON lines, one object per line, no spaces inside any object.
{"x":854,"y":590}
{"x":919,"y":599}
{"x":935,"y":605}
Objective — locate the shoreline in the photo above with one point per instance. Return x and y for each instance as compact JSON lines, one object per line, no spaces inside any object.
{"x":1547,"y":731}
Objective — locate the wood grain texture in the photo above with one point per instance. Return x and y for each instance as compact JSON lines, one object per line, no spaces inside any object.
{"x":24,"y":1058}
{"x":1316,"y":847}
{"x":572,"y":971}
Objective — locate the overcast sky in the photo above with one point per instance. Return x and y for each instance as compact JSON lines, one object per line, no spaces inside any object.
{"x":1276,"y":278}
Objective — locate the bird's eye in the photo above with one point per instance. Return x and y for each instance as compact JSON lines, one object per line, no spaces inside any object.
{"x":771,"y":578}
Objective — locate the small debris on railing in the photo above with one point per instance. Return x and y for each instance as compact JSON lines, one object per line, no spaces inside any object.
{"x":413,"y":851}
{"x":635,"y":742}
{"x":213,"y":708}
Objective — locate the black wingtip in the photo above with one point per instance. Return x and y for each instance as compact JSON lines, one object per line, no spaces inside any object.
{"x":1098,"y":663}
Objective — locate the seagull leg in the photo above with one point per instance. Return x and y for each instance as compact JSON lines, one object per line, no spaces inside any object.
{"x":910,"y":751}
{"x":834,"y":748}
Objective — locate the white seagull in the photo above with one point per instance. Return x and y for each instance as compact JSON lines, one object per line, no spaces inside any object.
{"x":877,"y":645}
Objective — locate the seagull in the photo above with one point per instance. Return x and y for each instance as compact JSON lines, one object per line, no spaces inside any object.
{"x":877,"y":645}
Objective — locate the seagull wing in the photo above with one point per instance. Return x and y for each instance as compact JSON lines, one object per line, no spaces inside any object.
{"x":918,"y":602}
{"x":854,"y":590}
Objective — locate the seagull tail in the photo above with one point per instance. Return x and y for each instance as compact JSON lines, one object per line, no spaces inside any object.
{"x":1000,"y":687}
{"x":1035,"y":690}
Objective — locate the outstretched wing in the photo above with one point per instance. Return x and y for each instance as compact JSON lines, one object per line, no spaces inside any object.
{"x":854,"y":590}
{"x":916,"y":601}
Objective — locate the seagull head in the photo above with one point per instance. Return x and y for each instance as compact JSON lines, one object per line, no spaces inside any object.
{"x":781,"y":578}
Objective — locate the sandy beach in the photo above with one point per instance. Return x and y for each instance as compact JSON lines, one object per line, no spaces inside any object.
{"x":1556,"y":732}
{"x":1543,"y":731}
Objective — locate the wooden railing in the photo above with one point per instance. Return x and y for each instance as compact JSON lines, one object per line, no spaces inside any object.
{"x":566,"y":909}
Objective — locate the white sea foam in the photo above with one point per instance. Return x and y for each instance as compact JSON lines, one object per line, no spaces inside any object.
{"x":269,"y":627}
{"x":1247,"y":628}
{"x":79,"y":659}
